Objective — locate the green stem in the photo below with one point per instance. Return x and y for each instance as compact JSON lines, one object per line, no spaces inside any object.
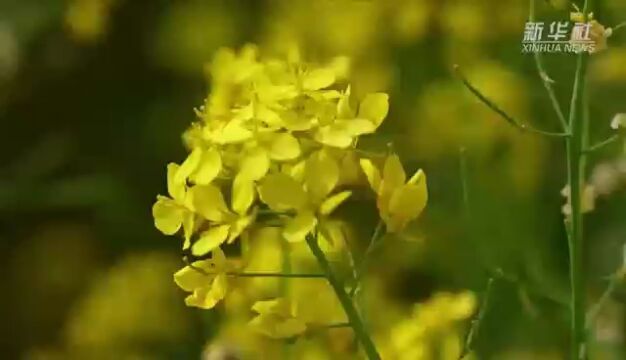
{"x":472,"y":334}
{"x":346,"y":302}
{"x":576,"y":168}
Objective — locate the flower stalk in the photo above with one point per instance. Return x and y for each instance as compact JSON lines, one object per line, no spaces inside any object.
{"x":346,"y":302}
{"x":575,"y":175}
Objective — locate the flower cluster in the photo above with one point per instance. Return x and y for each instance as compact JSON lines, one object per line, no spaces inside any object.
{"x":274,"y":145}
{"x":431,"y":331}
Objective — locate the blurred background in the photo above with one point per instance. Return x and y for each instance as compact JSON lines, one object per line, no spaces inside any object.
{"x":94,"y":97}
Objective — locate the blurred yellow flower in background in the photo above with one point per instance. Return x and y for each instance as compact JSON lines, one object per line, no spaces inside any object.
{"x":128,"y":308}
{"x":88,"y":20}
{"x":431,"y":332}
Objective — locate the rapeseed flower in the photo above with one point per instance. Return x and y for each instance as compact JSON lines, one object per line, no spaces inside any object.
{"x":172,"y":213}
{"x":431,"y":330}
{"x":311,"y":199}
{"x":277,"y":319}
{"x":399,"y":201}
{"x":206,"y":280}
{"x":274,"y":146}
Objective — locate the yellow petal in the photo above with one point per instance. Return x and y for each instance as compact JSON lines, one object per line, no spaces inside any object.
{"x":330,"y":204}
{"x":209,"y":167}
{"x":175,"y":189}
{"x":278,"y":306}
{"x":296,"y":171}
{"x":374,"y":107}
{"x":268,"y":116}
{"x":188,"y":166}
{"x":295,"y":121}
{"x":254,"y":164}
{"x":371,"y":173}
{"x":189,"y":278}
{"x":209,"y":240}
{"x":344,"y":110}
{"x":297,"y":228}
{"x":406,"y":204}
{"x":189,"y":219}
{"x":318,"y":79}
{"x":208,"y":297}
{"x":463,"y":306}
{"x":238,"y":227}
{"x":332,"y":135}
{"x":168,"y":216}
{"x":417,"y":178}
{"x":209,"y":202}
{"x":284,"y":146}
{"x":357,"y":127}
{"x":332,"y":236}
{"x":321,"y":176}
{"x":393,"y":172}
{"x":243,"y":194}
{"x":233,"y":132}
{"x":219,"y":287}
{"x":281,"y":192}
{"x":218,"y":259}
{"x":276,"y":327}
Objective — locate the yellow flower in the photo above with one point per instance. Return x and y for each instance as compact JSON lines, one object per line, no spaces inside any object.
{"x":306,"y":191}
{"x":277,"y":319}
{"x":206,"y":280}
{"x":341,"y":130}
{"x":224,"y":224}
{"x":201,"y":167}
{"x":398,"y":202}
{"x":172,"y":213}
{"x":431,"y":328}
{"x":88,"y":20}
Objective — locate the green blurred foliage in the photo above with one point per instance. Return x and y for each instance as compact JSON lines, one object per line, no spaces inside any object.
{"x":94,"y":95}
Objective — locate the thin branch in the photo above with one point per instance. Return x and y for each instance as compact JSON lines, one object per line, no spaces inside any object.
{"x":545,"y":78}
{"x":508,"y":118}
{"x":337,"y":325}
{"x":472,"y":334}
{"x":619,"y":26}
{"x":363,"y":265}
{"x":593,"y":312}
{"x":499,"y":274}
{"x":602,"y":144}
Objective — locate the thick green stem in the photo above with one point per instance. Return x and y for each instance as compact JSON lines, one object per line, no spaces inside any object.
{"x":344,"y":299}
{"x":576,"y":169}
